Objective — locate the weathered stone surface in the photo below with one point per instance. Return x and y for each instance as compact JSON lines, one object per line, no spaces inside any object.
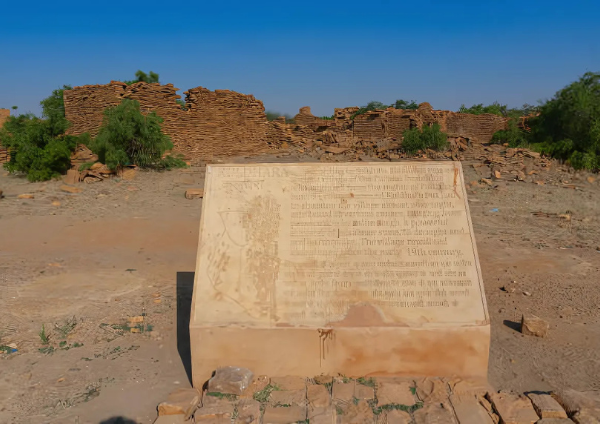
{"x":364,"y":392}
{"x":71,"y":189}
{"x":469,"y":386}
{"x":72,"y":176}
{"x":258,"y":384}
{"x":555,"y":421}
{"x":289,"y":383}
{"x":356,"y":413}
{"x":546,"y":406}
{"x":574,"y":401}
{"x":230,"y":380}
{"x":397,"y":417}
{"x":284,"y":415}
{"x":398,"y":393}
{"x":534,"y":326}
{"x":323,"y":379}
{"x":248,"y":412}
{"x":514,"y":409}
{"x":278,"y":224}
{"x":180,"y":401}
{"x":469,"y":409}
{"x":587,"y":416}
{"x":25,"y":196}
{"x":321,"y":415}
{"x":170,"y":419}
{"x":214,"y":414}
{"x":343,"y":391}
{"x":435,"y":413}
{"x":194,"y":193}
{"x":432,"y":390}
{"x":318,"y":396}
{"x":288,"y":397}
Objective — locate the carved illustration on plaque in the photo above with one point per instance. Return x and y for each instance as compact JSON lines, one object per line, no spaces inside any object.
{"x":261,"y":264}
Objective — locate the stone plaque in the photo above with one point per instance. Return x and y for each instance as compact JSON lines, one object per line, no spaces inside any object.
{"x":325,"y":246}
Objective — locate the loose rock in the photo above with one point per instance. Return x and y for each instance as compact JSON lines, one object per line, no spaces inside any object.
{"x":546,"y":406}
{"x":532,"y":325}
{"x":194,"y":193}
{"x":181,"y":401}
{"x":230,"y":380}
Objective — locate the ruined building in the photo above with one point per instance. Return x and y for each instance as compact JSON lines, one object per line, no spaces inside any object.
{"x":224,"y":123}
{"x":4,"y":114}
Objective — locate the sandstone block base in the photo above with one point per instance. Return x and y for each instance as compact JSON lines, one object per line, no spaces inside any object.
{"x":351,"y":351}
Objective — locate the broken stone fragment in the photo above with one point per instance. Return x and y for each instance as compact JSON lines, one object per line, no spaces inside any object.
{"x":546,"y":406}
{"x":394,"y":392}
{"x":532,"y":325}
{"x":555,"y":421}
{"x":230,"y":380}
{"x":25,"y":196}
{"x":194,"y":193}
{"x":70,"y":189}
{"x":513,"y":409}
{"x":284,"y":415}
{"x":181,"y":401}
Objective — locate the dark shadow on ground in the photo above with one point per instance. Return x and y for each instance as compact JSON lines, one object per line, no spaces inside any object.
{"x":513,"y":325}
{"x":118,"y":420}
{"x":185,"y":287}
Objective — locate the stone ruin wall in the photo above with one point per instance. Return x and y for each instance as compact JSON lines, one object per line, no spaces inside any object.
{"x":224,"y":123}
{"x":216,"y":123}
{"x":4,"y":114}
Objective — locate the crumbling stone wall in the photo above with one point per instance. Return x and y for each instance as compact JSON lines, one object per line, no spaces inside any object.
{"x":225,"y":123}
{"x":219,"y":123}
{"x":4,"y":114}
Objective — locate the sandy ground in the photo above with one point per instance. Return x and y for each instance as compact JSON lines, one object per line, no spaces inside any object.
{"x":126,"y":248}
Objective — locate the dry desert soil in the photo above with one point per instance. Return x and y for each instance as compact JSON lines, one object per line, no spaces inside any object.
{"x":81,"y":264}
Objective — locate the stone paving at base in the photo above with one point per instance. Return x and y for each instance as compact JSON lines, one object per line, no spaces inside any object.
{"x":245,"y":399}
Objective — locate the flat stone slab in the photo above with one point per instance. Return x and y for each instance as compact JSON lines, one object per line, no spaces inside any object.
{"x":354,"y":269}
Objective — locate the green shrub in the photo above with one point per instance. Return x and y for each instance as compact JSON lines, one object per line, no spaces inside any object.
{"x":39,"y":147}
{"x":568,"y":126}
{"x":429,"y":137}
{"x":372,"y":105}
{"x":128,"y":137}
{"x":495,"y":108}
{"x":403,"y":104}
{"x":513,"y":135}
{"x":141,"y":76}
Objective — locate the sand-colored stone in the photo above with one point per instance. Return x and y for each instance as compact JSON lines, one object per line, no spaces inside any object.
{"x":230,"y":380}
{"x":514,"y":409}
{"x":288,"y":397}
{"x":318,"y":396}
{"x":180,"y":401}
{"x":356,"y":413}
{"x":258,"y":384}
{"x":435,"y":413}
{"x":71,"y":189}
{"x":289,"y":383}
{"x":555,"y":421}
{"x":194,"y":193}
{"x":364,"y":392}
{"x":354,"y":269}
{"x":25,"y":196}
{"x":532,"y":325}
{"x":395,"y":393}
{"x":431,"y":389}
{"x":248,"y":412}
{"x":546,"y":406}
{"x":469,"y":409}
{"x":395,"y":417}
{"x":284,"y":415}
{"x":72,"y":176}
{"x":343,"y":391}
{"x":321,"y":415}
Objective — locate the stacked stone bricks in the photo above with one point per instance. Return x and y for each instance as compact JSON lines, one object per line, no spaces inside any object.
{"x":4,"y":114}
{"x":224,"y":123}
{"x":219,"y":123}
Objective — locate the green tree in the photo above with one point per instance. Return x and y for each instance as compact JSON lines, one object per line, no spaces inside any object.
{"x":14,"y":107}
{"x":129,"y":137}
{"x":271,"y":116}
{"x":39,"y":147}
{"x":428,"y":137}
{"x":568,"y":126}
{"x":371,"y":106}
{"x":403,"y":104}
{"x":479,"y":109}
{"x":141,"y":76}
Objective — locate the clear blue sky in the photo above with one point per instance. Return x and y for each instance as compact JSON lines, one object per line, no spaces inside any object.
{"x":321,"y":54}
